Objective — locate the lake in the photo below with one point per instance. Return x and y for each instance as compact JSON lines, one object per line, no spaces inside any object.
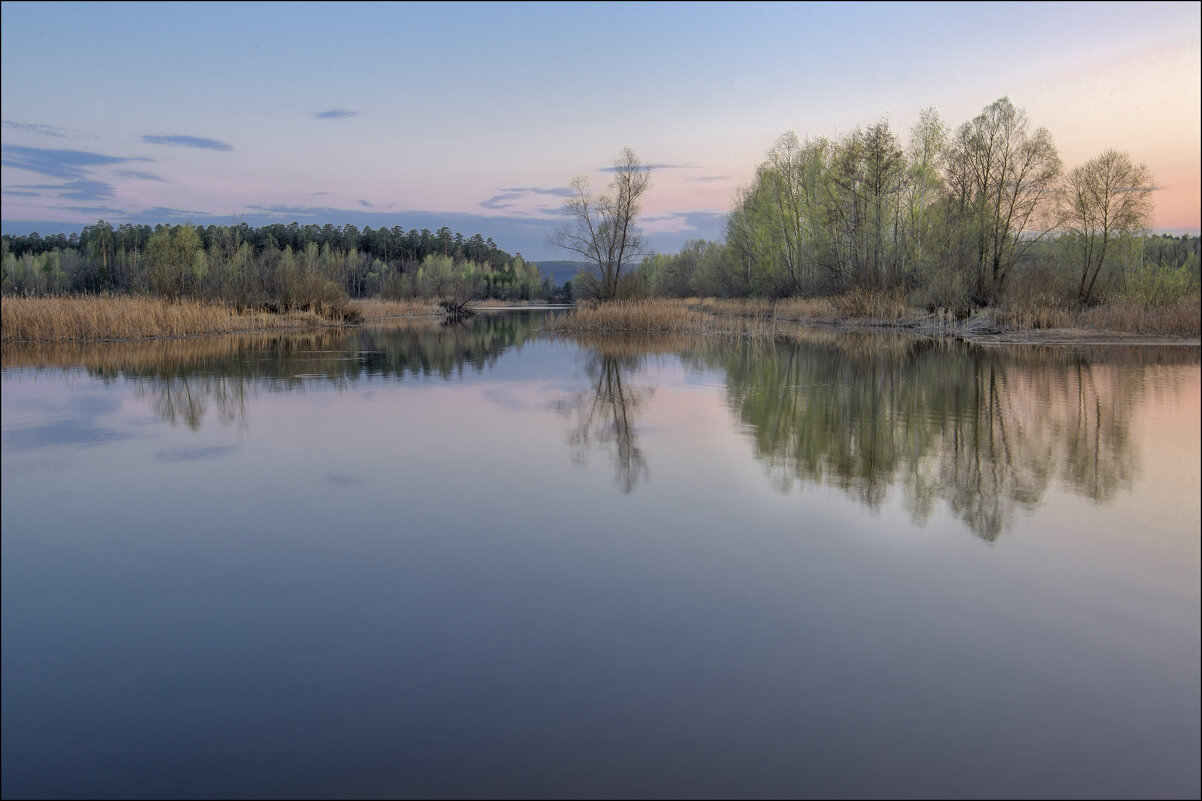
{"x":446,"y":561}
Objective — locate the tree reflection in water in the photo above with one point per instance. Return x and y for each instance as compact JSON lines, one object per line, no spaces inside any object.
{"x":983,"y":431}
{"x":182,"y":377}
{"x":605,"y":414}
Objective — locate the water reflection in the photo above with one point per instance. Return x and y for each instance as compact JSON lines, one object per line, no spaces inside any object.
{"x":184,"y":378}
{"x":982,"y":431}
{"x":606,"y":413}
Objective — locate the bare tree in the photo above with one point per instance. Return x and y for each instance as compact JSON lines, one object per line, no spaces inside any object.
{"x":602,"y":227}
{"x":1102,"y":200}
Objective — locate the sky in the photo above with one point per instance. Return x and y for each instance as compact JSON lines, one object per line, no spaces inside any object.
{"x":477,"y":116}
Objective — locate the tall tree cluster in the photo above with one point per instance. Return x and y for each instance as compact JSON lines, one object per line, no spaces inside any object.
{"x":953,"y":217}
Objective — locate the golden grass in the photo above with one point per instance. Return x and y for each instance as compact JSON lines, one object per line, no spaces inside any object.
{"x":1182,"y":317}
{"x":806,"y":309}
{"x":656,"y":316}
{"x":783,"y":317}
{"x":1037,"y":317}
{"x":732,"y":316}
{"x":878,"y":306}
{"x":63,"y":319}
{"x":857,"y":305}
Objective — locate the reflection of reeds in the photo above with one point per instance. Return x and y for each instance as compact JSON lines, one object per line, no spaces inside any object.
{"x":167,"y":357}
{"x":631,"y":346}
{"x":61,"y":319}
{"x":851,"y":343}
{"x":402,"y":346}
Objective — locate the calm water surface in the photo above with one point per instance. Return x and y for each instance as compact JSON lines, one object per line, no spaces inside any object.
{"x":425,"y":561}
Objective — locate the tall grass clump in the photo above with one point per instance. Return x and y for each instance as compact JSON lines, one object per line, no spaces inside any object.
{"x":878,"y":306}
{"x":78,"y":319}
{"x":1172,"y":316}
{"x":644,"y":316}
{"x":1037,"y":315}
{"x":1182,"y":316}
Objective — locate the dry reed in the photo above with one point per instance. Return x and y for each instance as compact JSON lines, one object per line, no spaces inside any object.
{"x":730,"y":316}
{"x":75,"y":319}
{"x":783,"y":317}
{"x":657,"y":316}
{"x":1182,"y":317}
{"x":877,"y":306}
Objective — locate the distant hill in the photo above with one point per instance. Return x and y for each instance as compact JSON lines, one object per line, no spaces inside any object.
{"x":23,"y":228}
{"x":561,"y":271}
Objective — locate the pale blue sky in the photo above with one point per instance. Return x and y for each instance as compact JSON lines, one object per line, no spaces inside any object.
{"x":477,"y":114}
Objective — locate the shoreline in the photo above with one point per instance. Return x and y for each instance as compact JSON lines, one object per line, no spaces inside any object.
{"x":128,"y":319}
{"x":766,"y":319}
{"x":1017,"y":336}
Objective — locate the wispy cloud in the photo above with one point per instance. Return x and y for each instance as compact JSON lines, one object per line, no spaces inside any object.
{"x":655,"y":167}
{"x":160,"y":213}
{"x":281,"y":210}
{"x":509,"y":197}
{"x":558,"y":191}
{"x":502,"y":201}
{"x":145,"y":176}
{"x":37,"y":128}
{"x":181,"y":140}
{"x":99,"y":211}
{"x":695,"y":223}
{"x":65,"y":164}
{"x":72,"y":190}
{"x":367,"y":205}
{"x":84,"y":190}
{"x":705,"y":178}
{"x":334,"y":114}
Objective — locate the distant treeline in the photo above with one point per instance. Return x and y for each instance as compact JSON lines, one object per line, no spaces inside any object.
{"x":277,"y":266}
{"x":390,"y":245}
